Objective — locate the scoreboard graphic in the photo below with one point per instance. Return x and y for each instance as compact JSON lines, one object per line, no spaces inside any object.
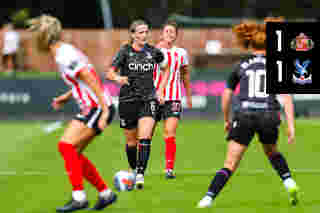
{"x":293,"y":58}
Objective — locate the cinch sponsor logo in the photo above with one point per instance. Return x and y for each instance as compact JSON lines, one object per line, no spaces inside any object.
{"x":141,"y":67}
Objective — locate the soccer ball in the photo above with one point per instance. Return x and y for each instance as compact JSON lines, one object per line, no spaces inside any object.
{"x":124,"y":181}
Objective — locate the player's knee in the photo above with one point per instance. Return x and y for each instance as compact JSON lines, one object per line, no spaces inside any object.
{"x":270,"y":150}
{"x":231,"y":165}
{"x":132,"y":141}
{"x":145,"y":135}
{"x":131,"y":138}
{"x":169,"y":132}
{"x":169,"y":135}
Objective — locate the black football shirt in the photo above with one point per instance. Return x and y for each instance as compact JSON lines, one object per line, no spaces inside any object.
{"x":250,"y":73}
{"x":138,"y":66}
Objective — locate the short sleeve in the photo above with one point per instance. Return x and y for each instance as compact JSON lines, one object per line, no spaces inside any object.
{"x":234,"y":78}
{"x":119,"y":59}
{"x":164,"y":62}
{"x":185,"y":58}
{"x":158,"y":56}
{"x":71,"y":62}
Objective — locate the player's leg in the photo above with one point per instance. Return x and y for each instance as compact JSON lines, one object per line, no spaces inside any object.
{"x":234,"y":155}
{"x":90,"y":173}
{"x":169,"y":134}
{"x":79,"y":134}
{"x":279,"y":163}
{"x":128,"y":113}
{"x":73,"y":136}
{"x":148,"y":116}
{"x":171,"y":113}
{"x":239,"y":138}
{"x":131,"y":147}
{"x":145,"y":131}
{"x":268,"y":135}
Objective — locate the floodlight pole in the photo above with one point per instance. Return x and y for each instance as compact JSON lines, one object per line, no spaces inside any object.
{"x":107,"y":14}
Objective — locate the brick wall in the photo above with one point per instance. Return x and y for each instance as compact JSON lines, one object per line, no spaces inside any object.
{"x":101,"y":45}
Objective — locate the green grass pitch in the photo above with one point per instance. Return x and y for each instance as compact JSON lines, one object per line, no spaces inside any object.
{"x":33,"y":179}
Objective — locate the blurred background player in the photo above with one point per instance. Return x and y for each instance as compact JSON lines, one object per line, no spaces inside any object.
{"x":96,"y":113}
{"x":138,"y":99}
{"x":255,"y":112}
{"x":170,"y":111}
{"x":11,"y":43}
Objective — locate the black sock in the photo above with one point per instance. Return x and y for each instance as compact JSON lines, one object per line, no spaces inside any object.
{"x":132,"y":155}
{"x":143,"y":155}
{"x":279,"y":163}
{"x":218,"y":182}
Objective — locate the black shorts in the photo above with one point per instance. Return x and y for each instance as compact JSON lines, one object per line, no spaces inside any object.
{"x":170,"y":109}
{"x":244,"y":125}
{"x":91,"y":119}
{"x":130,"y":112}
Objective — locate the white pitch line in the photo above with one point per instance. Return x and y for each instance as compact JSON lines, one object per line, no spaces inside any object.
{"x":151,"y":173}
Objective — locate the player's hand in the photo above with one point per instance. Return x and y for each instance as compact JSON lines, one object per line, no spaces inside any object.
{"x":189,"y":102}
{"x":160,"y":97}
{"x":227,"y":126}
{"x":58,"y":102}
{"x":291,"y":135}
{"x":102,"y":123}
{"x":122,"y":80}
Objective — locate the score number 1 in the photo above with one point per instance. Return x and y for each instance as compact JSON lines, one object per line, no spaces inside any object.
{"x":279,"y":39}
{"x":279,"y":63}
{"x":279,"y":49}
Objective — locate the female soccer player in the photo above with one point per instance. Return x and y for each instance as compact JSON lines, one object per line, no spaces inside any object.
{"x":138,"y":99}
{"x":178,"y":64}
{"x":255,"y":112}
{"x":96,"y":112}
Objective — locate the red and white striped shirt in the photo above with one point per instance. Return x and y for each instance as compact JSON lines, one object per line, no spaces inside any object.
{"x":71,"y":62}
{"x":176,"y":59}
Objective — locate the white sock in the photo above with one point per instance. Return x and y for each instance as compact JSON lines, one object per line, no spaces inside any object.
{"x":79,"y":195}
{"x":207,"y":197}
{"x":289,"y":183}
{"x":105,"y":193}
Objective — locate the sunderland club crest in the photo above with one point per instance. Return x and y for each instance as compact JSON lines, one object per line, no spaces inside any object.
{"x":302,"y":43}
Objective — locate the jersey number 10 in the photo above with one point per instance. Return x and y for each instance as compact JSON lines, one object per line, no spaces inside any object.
{"x":257,"y":84}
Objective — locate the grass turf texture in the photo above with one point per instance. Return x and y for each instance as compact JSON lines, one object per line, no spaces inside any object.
{"x":33,"y":178}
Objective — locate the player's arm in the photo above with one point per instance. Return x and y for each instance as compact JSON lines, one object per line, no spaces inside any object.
{"x":93,"y":84}
{"x":232,"y":83}
{"x":112,"y":74}
{"x":59,"y":101}
{"x":165,"y":69}
{"x":226,"y":103}
{"x":164,"y":81}
{"x":117,"y":62}
{"x":65,"y":96}
{"x":86,"y":76}
{"x":289,"y":111}
{"x":185,"y":73}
